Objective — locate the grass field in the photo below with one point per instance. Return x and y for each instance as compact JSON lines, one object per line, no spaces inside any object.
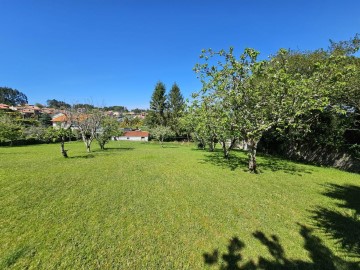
{"x":140,"y":206}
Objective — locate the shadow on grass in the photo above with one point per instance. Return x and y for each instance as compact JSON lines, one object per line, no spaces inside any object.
{"x":82,"y":157}
{"x":267,"y":163}
{"x":341,"y":224}
{"x":114,"y":149}
{"x":321,"y":256}
{"x":13,"y":257}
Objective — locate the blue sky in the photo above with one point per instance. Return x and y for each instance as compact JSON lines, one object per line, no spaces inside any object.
{"x":113,"y":52}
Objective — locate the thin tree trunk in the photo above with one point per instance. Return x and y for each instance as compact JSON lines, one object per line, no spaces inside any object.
{"x":63,"y":151}
{"x":212,"y":146}
{"x":252,"y":146}
{"x":88,"y":146}
{"x":226,"y":150}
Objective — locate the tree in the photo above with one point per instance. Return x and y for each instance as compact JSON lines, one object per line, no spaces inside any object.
{"x":12,"y":97}
{"x":258,"y":95}
{"x":45,"y":120}
{"x":158,"y":106}
{"x":88,"y":124}
{"x":63,"y":132}
{"x":109,"y":127}
{"x":10,"y":130}
{"x":53,"y":103}
{"x":175,"y":109}
{"x":160,"y":133}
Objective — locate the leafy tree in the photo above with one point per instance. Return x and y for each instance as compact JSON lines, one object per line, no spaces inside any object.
{"x":45,"y":120}
{"x":10,"y":129}
{"x":160,"y":133}
{"x":158,"y":106}
{"x":116,"y":108}
{"x":258,"y":95}
{"x":83,"y":106}
{"x":137,"y":110}
{"x":53,"y":103}
{"x":175,"y":109}
{"x":12,"y":97}
{"x":39,"y":105}
{"x":34,"y":132}
{"x":109,"y":127}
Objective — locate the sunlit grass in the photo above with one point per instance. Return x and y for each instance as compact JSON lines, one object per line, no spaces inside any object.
{"x":141,"y":206}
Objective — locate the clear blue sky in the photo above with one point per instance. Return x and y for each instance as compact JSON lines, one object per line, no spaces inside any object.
{"x":113,"y":52}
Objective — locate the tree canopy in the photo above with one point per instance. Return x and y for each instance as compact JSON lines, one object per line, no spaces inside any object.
{"x":12,"y":97}
{"x":244,"y":97}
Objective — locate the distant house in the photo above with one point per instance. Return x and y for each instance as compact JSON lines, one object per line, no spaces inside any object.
{"x":4,"y":107}
{"x":134,"y":136}
{"x":60,"y":120}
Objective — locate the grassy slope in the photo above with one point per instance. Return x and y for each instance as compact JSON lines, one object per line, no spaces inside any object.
{"x":140,"y":206}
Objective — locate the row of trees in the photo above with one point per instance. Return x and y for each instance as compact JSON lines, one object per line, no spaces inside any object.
{"x":166,"y":110}
{"x":243,"y":98}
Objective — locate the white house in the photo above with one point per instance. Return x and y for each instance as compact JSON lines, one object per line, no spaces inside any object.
{"x":134,"y":136}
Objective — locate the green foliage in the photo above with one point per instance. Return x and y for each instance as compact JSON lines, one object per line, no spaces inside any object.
{"x":109,"y":127}
{"x":243,"y":97}
{"x":12,"y":97}
{"x":176,"y":106}
{"x":10,"y":129}
{"x":161,"y":133}
{"x":158,"y":106}
{"x":45,"y":120}
{"x":116,"y":108}
{"x":53,"y":103}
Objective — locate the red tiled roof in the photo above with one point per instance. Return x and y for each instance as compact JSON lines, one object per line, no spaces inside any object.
{"x":4,"y":106}
{"x":61,"y":118}
{"x":136,"y":134}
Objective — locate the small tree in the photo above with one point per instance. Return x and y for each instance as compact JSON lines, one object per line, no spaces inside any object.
{"x":160,"y":133}
{"x":88,"y":124}
{"x":109,"y":127}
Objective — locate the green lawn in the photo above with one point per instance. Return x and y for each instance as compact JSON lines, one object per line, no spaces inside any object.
{"x":140,"y":206}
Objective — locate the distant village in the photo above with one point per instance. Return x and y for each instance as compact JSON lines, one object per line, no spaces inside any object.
{"x":33,"y":111}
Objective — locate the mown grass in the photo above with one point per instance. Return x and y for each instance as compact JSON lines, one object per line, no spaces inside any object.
{"x":141,"y":206}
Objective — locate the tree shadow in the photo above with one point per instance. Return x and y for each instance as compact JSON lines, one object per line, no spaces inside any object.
{"x":343,"y":223}
{"x":270,"y":163}
{"x":114,"y":149}
{"x":321,"y":257}
{"x":267,"y":163}
{"x":232,"y":162}
{"x":88,"y":156}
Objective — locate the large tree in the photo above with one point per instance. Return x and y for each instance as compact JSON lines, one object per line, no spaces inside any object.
{"x":158,"y":106}
{"x":255,"y":96}
{"x":12,"y":97}
{"x":175,"y":109}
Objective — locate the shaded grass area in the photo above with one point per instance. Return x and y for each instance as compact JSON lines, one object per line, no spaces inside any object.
{"x":141,"y":206}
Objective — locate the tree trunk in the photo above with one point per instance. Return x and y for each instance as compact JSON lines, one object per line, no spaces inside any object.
{"x":226,"y":150}
{"x":88,"y":146}
{"x":211,"y":146}
{"x":63,"y":151}
{"x":102,"y":146}
{"x":252,"y":146}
